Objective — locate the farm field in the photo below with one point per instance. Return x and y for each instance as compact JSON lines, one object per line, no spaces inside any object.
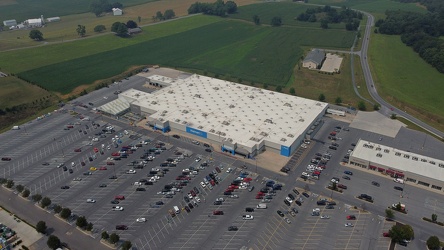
{"x":65,"y":30}
{"x":16,"y":92}
{"x":288,"y":11}
{"x":412,"y":85}
{"x":255,"y":53}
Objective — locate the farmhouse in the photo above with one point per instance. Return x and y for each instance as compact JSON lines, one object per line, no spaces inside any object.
{"x":117,"y":12}
{"x":9,"y":23}
{"x":414,"y":168}
{"x":314,"y":59}
{"x":241,"y":119}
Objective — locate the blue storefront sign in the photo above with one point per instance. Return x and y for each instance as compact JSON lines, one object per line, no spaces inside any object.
{"x":285,"y":151}
{"x":196,"y":132}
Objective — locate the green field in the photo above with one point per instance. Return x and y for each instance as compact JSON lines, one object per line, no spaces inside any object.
{"x":22,"y":10}
{"x":16,"y":92}
{"x":286,"y":10}
{"x":373,"y":6}
{"x":254,"y":53}
{"x":404,"y":79}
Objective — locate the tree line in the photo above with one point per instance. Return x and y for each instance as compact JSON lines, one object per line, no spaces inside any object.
{"x":103,"y":6}
{"x":419,"y":31}
{"x":328,"y":15}
{"x":218,"y":8}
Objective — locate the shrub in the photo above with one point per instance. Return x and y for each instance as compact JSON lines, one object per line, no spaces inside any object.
{"x":26,"y":193}
{"x":433,"y":243}
{"x":41,"y":227}
{"x":114,"y":238}
{"x":57,"y":209}
{"x":45,"y":202}
{"x":105,"y":235}
{"x":19,"y":188}
{"x":36,"y":197}
{"x":9,"y":183}
{"x":65,"y":213}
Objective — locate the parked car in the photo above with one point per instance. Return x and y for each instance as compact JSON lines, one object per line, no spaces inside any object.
{"x":232,"y":228}
{"x":374,"y":183}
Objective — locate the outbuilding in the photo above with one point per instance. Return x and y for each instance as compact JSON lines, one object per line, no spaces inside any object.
{"x":314,"y":59}
{"x":117,"y":12}
{"x":9,"y":23}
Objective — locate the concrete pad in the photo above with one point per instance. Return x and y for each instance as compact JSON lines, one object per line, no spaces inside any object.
{"x":332,"y":63}
{"x":375,"y":122}
{"x":24,"y":232}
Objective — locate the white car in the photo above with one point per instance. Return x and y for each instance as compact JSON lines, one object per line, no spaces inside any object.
{"x":397,"y":180}
{"x":220,"y":199}
{"x":325,"y":217}
{"x":117,"y":208}
{"x":348,"y":225}
{"x":265,"y":201}
{"x":131,"y":171}
{"x":334,"y":181}
{"x":197,"y":199}
{"x":243,"y":187}
{"x":289,"y":199}
{"x":305,"y":174}
{"x":234,"y":196}
{"x":203,"y":184}
{"x":304,"y":146}
{"x":90,"y":201}
{"x":311,"y":166}
{"x":287,"y":220}
{"x":190,"y":196}
{"x":141,"y":220}
{"x":247,"y":217}
{"x":316,"y":210}
{"x":77,"y":179}
{"x":229,"y":170}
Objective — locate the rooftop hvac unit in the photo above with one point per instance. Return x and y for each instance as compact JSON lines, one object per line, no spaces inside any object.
{"x":200,"y":127}
{"x":153,"y":102}
{"x":177,"y":120}
{"x":231,"y":106}
{"x":290,"y":135}
{"x":301,"y":120}
{"x":184,"y":122}
{"x":283,"y":139}
{"x":161,"y":119}
{"x":223,"y":134}
{"x":212,"y":131}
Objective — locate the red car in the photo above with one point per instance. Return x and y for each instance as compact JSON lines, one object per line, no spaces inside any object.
{"x":259,"y":196}
{"x":78,"y":150}
{"x":212,"y":183}
{"x":333,"y":133}
{"x":248,"y":179}
{"x":229,"y":190}
{"x":218,"y":212}
{"x":351,"y":217}
{"x":115,"y":154}
{"x":193,"y":193}
{"x":386,"y":234}
{"x":322,"y":166}
{"x":96,"y":150}
{"x":110,"y":163}
{"x":102,"y":168}
{"x":260,"y":193}
{"x":233,"y":187}
{"x":342,"y":186}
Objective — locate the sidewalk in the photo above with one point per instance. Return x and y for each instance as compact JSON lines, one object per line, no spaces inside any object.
{"x":27,"y":211}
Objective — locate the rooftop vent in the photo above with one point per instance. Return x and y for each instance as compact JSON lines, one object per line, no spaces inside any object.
{"x":200,"y":127}
{"x":283,"y":139}
{"x":177,"y":120}
{"x":226,"y":123}
{"x":232,"y":106}
{"x":263,"y":134}
{"x":290,"y":135}
{"x":153,"y":103}
{"x":171,"y":92}
{"x":269,"y":121}
{"x":184,"y":122}
{"x":301,"y":120}
{"x":161,"y":119}
{"x":185,"y":111}
{"x":204,"y":114}
{"x":212,"y":131}
{"x":197,"y":96}
{"x":287,"y":104}
{"x":216,"y":88}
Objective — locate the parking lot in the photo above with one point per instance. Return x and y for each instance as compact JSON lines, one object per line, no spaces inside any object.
{"x":75,"y":137}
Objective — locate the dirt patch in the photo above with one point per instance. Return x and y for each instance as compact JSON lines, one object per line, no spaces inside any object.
{"x":7,"y":2}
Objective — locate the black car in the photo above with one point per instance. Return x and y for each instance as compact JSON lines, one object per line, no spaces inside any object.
{"x":298,"y":203}
{"x":115,"y":202}
{"x":208,"y":150}
{"x":176,"y":136}
{"x":186,"y":199}
{"x":227,"y":193}
{"x":398,"y":188}
{"x":374,"y":183}
{"x":71,"y":171}
{"x":64,"y":187}
{"x":333,"y":147}
{"x":346,"y":177}
{"x":291,"y":196}
{"x":329,"y":207}
{"x":121,"y":227}
{"x":295,"y":191}
{"x":402,"y":243}
{"x":217,"y":203}
{"x":332,"y":203}
{"x":140,"y":189}
{"x":187,"y":209}
{"x":232,"y":228}
{"x":280,"y":213}
{"x":321,"y":202}
{"x":295,"y":210}
{"x":102,"y":185}
{"x":90,"y":158}
{"x":196,"y":190}
{"x":305,"y":194}
{"x":249,"y":209}
{"x":112,"y":177}
{"x":159,"y":203}
{"x":206,"y":145}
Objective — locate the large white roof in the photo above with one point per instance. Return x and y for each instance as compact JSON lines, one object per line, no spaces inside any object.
{"x":245,"y":114}
{"x":399,"y":159}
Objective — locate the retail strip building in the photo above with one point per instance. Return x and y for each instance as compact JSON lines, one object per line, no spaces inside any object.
{"x":241,"y":119}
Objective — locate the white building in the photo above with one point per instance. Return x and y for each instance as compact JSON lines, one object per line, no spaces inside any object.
{"x":36,"y":22}
{"x":9,"y":23}
{"x":414,"y":168}
{"x":242,"y":119}
{"x":53,"y":19}
{"x":117,"y":12}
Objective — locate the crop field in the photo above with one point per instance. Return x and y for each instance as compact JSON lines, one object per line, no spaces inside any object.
{"x":288,"y":11}
{"x":25,"y":9}
{"x":412,"y":85}
{"x":268,"y":55}
{"x":15,"y":92}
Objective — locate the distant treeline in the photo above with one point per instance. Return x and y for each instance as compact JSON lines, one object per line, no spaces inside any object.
{"x":218,"y":8}
{"x":332,"y":15}
{"x":103,"y":6}
{"x":419,"y":31}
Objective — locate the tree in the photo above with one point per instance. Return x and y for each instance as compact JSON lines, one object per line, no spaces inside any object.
{"x":81,"y":222}
{"x":81,"y":30}
{"x":45,"y":202}
{"x":36,"y":197}
{"x":230,"y":7}
{"x":126,"y":245}
{"x":89,"y":227}
{"x":53,"y":242}
{"x":389,"y":213}
{"x":41,"y":227}
{"x":36,"y":35}
{"x":99,"y":28}
{"x":169,"y":14}
{"x":65,"y":213}
{"x":57,"y":209}
{"x":408,"y":232}
{"x":321,"y":97}
{"x":105,"y":235}
{"x":114,"y":238}
{"x":9,"y":183}
{"x":433,"y":243}
{"x":434,"y":217}
{"x":324,"y":24}
{"x":120,"y":29}
{"x":19,"y":188}
{"x":338,"y":100}
{"x":131,"y":24}
{"x":279,"y":89}
{"x":396,"y":233}
{"x":361,"y":106}
{"x":334,"y":186}
{"x":159,"y":16}
{"x":393,"y":116}
{"x":26,"y":193}
{"x":292,"y":91}
{"x":256,"y":20}
{"x":276,"y":21}
{"x":398,"y":206}
{"x":375,"y":106}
